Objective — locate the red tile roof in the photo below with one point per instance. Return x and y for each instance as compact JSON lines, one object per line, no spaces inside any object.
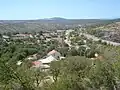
{"x":52,"y":52}
{"x":36,"y":63}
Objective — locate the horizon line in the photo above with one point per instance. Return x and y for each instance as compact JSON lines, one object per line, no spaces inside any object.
{"x":58,"y":17}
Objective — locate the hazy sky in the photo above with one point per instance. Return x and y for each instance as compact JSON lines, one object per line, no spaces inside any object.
{"x":36,"y":9}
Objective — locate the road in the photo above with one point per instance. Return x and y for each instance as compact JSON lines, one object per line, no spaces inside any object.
{"x":93,"y":38}
{"x":97,"y":39}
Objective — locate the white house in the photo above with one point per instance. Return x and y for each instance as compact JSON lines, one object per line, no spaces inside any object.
{"x":48,"y":60}
{"x":5,"y":37}
{"x":19,"y":63}
{"x":55,"y":54}
{"x":68,"y":31}
{"x":21,"y":36}
{"x":45,"y":63}
{"x":31,"y":36}
{"x":45,"y":66}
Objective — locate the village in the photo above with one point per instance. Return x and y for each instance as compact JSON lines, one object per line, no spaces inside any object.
{"x":42,"y":52}
{"x":39,"y":51}
{"x":59,"y":45}
{"x":71,"y":38}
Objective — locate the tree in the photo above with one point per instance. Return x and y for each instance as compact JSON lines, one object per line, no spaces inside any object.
{"x":102,"y":75}
{"x":55,"y":70}
{"x":81,"y":51}
{"x":40,"y":33}
{"x":81,"y":43}
{"x":0,"y":35}
{"x":63,"y":51}
{"x":73,"y":52}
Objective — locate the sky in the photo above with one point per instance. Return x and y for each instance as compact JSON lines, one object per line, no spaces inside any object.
{"x":71,"y":9}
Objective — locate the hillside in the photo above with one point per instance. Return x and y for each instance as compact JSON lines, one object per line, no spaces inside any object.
{"x":45,"y":24}
{"x":110,"y":32}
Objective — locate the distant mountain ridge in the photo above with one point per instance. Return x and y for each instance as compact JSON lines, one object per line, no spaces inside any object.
{"x":54,"y":23}
{"x":51,"y":19}
{"x":55,"y":18}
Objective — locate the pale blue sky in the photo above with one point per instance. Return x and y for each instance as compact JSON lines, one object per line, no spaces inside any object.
{"x":36,"y":9}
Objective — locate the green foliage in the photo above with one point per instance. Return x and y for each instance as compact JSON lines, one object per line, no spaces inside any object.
{"x":63,"y":51}
{"x":81,"y":43}
{"x":82,"y":51}
{"x":73,"y":73}
{"x":55,"y":70}
{"x":76,"y":72}
{"x":73,"y":52}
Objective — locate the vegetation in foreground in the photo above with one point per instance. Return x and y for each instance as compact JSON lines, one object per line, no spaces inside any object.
{"x":76,"y":72}
{"x":80,"y":70}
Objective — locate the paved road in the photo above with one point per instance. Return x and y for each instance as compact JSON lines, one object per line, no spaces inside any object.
{"x":97,"y":39}
{"x":93,"y":38}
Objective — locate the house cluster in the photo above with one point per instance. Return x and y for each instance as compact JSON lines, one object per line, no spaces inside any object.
{"x":44,"y":63}
{"x":22,"y":36}
{"x":42,"y":35}
{"x":18,"y":36}
{"x":106,"y":34}
{"x":53,"y":34}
